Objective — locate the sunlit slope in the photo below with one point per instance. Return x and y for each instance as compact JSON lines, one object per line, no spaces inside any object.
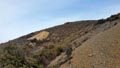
{"x":101,"y":51}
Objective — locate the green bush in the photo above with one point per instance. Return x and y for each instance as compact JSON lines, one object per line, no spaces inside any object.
{"x":101,"y":21}
{"x":9,"y":66}
{"x":15,"y":57}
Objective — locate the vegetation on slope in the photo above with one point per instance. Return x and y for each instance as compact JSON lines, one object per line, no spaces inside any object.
{"x":24,"y":53}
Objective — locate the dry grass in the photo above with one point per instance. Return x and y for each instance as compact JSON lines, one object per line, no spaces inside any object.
{"x":40,"y":36}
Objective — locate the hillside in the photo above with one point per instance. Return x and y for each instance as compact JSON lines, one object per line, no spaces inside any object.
{"x":80,"y":44}
{"x":101,"y":51}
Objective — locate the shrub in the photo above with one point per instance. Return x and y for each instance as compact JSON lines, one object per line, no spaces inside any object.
{"x":9,"y":66}
{"x":31,"y":61}
{"x":15,"y":57}
{"x":101,"y":21}
{"x":57,"y":50}
{"x":12,"y":56}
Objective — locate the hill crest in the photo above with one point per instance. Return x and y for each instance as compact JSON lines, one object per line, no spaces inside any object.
{"x":56,"y":47}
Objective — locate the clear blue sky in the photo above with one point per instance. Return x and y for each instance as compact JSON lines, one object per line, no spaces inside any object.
{"x":20,"y":17}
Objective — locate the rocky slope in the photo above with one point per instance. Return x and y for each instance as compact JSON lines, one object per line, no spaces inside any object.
{"x":81,"y":44}
{"x":101,"y":51}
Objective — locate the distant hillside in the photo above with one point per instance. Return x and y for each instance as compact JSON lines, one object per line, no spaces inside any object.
{"x":80,"y":44}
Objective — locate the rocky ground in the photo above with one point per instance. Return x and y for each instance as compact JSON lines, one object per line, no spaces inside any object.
{"x":80,"y":44}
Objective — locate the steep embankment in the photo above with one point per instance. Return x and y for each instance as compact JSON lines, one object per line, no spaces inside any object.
{"x":38,"y":49}
{"x":101,"y":51}
{"x":98,"y":28}
{"x":81,"y":44}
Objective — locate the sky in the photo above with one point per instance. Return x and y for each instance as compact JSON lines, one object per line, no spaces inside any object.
{"x":20,"y":17}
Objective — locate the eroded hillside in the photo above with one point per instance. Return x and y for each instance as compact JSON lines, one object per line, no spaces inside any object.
{"x":101,"y":51}
{"x":71,"y":45}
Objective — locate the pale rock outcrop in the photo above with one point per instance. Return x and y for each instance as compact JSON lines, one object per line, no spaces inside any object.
{"x":40,"y":36}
